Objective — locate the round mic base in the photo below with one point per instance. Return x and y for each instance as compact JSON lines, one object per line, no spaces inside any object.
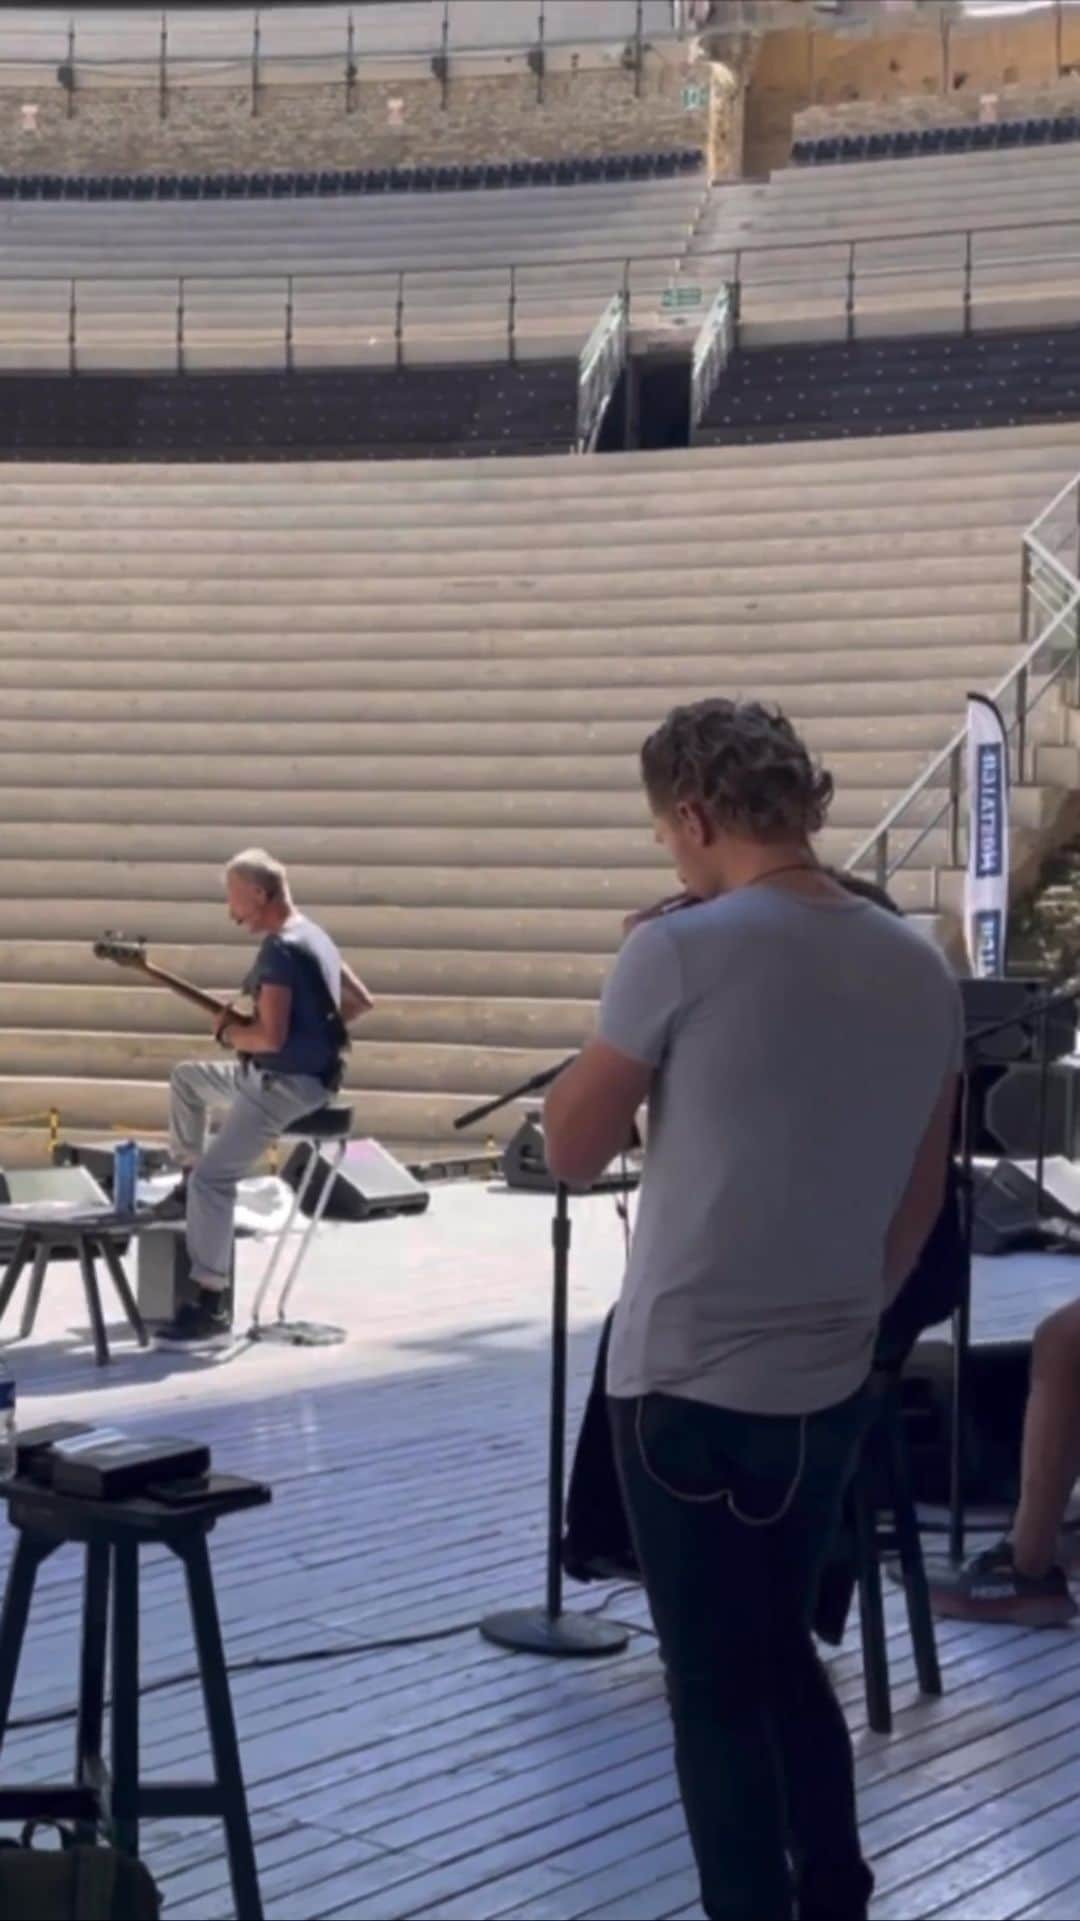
{"x":535,"y":1631}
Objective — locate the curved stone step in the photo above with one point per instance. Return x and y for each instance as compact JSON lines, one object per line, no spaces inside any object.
{"x":540,"y":611}
{"x":123,"y":569}
{"x":327,"y":890}
{"x":897,"y":526}
{"x":297,"y":686}
{"x":127,"y":594}
{"x":310,"y":721}
{"x":219,"y":964}
{"x":76,"y":821}
{"x":481,"y":740}
{"x":380,"y":856}
{"x":128,"y":1009}
{"x":702,"y":635}
{"x":358,"y":929}
{"x":872,"y":766}
{"x":540,"y":929}
{"x":141,"y":1107}
{"x":372,"y":1066}
{"x":779,"y":500}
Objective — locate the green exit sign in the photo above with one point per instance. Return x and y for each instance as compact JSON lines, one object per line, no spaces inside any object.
{"x":679,"y":299}
{"x":695,"y":97}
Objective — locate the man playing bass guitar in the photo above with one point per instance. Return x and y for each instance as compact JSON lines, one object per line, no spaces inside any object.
{"x":288,"y":1060}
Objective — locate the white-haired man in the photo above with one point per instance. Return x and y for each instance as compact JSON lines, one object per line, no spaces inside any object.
{"x":288,"y":1059}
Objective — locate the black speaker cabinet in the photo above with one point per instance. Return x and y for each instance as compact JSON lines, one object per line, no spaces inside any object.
{"x":997,"y":1386}
{"x":990,"y":1004}
{"x":1011,"y":1113}
{"x":371,"y":1183}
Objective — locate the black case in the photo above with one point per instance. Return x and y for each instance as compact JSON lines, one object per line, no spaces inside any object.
{"x":113,"y":1468}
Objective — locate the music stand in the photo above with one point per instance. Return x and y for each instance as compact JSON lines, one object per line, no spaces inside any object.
{"x":549,"y":1629}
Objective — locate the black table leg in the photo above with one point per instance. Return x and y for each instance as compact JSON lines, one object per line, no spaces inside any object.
{"x":20,"y":1254}
{"x":89,"y":1768}
{"x":93,"y":1302}
{"x":30,"y":1551}
{"x":219,"y":1715}
{"x":125,"y":1698}
{"x":127,"y":1299}
{"x":33,"y":1292}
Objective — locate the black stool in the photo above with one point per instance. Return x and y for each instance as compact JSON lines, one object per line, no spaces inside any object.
{"x":41,"y":1239}
{"x":112,"y":1800}
{"x":333,"y":1124}
{"x":883,"y":1480}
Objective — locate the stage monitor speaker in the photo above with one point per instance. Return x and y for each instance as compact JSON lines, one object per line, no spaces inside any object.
{"x":524,"y":1164}
{"x":987,"y":1002}
{"x":371,"y":1183}
{"x":1011,"y":1112}
{"x":1011,"y":1218}
{"x":997,"y":1387}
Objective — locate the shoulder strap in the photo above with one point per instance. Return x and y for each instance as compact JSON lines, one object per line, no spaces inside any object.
{"x":309,"y":965}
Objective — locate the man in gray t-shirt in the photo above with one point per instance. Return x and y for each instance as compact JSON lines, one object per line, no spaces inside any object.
{"x":799,"y":1042}
{"x":798,"y":1051}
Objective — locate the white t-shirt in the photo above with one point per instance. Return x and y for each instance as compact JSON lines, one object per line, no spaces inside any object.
{"x":800,"y":1045}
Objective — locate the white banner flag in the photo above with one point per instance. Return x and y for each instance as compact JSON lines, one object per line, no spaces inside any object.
{"x":986,"y":892}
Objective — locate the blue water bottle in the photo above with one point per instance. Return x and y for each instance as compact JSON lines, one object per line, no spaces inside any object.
{"x":125,"y":1175}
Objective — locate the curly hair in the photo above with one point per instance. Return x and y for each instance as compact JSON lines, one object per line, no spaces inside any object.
{"x":741,"y":762}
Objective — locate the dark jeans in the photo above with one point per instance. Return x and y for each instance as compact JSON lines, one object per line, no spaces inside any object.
{"x":761,"y":1747}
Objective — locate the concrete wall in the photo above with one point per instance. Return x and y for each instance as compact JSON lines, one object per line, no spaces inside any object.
{"x":591,"y":104}
{"x":938,"y":110}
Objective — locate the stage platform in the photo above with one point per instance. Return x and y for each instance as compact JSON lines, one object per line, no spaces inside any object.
{"x":452,"y":1781}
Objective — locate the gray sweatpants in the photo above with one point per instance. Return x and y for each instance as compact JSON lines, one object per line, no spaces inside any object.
{"x":258,"y":1107}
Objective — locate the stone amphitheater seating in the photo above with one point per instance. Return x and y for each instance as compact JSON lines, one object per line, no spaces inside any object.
{"x":909,"y":218}
{"x":236,"y":257}
{"x":424,"y":685}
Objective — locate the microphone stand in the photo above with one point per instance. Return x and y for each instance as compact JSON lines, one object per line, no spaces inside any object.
{"x":549,"y":1629}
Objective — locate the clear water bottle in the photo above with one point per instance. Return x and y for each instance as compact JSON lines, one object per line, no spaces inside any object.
{"x":7,"y":1427}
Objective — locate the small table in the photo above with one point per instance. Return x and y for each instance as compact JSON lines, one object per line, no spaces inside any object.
{"x":41,"y":1236}
{"x":111,"y":1800}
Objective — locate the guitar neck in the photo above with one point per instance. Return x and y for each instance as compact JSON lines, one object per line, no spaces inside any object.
{"x":210,"y":1003}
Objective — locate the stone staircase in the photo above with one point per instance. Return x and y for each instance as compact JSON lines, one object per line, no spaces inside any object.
{"x":909,"y":218}
{"x":424,"y":686}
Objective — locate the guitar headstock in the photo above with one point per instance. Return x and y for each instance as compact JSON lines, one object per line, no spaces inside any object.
{"x":118,"y":948}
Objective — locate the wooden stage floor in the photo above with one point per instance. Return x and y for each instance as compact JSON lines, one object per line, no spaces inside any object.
{"x":453,"y":1781}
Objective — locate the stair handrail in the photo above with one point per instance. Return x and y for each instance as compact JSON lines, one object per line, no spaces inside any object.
{"x":1050,"y":587}
{"x":713,"y":349}
{"x":600,"y":364}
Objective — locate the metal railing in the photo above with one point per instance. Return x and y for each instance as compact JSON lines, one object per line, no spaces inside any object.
{"x":510,"y":282}
{"x":166,"y":48}
{"x":600,"y":364}
{"x":1050,"y":630}
{"x":712,"y":351}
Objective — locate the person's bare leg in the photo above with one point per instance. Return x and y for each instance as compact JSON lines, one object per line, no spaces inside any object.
{"x":1050,"y":1461}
